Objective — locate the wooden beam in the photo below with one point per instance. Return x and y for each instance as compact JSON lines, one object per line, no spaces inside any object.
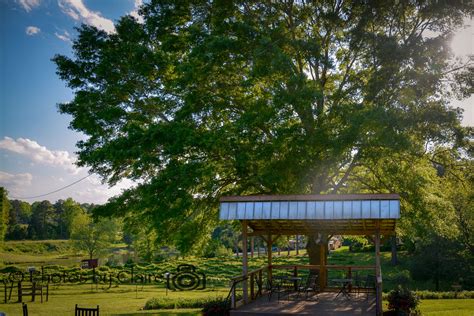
{"x":334,"y":232}
{"x":378,"y":274}
{"x":309,"y":197}
{"x":269,"y":255}
{"x":252,"y":245}
{"x":244,"y":261}
{"x":322,"y":268}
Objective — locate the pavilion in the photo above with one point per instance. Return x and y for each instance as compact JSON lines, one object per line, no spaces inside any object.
{"x":271,"y":216}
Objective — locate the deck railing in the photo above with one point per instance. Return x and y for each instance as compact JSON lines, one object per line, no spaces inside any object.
{"x":247,"y":288}
{"x":253,"y":284}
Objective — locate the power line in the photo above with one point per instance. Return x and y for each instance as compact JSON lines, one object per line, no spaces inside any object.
{"x":60,"y":189}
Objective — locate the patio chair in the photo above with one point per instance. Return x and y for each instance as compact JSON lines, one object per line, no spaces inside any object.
{"x":357,"y":281}
{"x":309,"y":285}
{"x":272,"y":287}
{"x":287,"y":286}
{"x":370,"y":284}
{"x":87,"y":311}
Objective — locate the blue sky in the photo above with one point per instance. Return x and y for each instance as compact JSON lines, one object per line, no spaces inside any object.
{"x":36,"y":147}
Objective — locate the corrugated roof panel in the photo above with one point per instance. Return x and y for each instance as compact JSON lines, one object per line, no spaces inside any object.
{"x":275,"y":210}
{"x":365,"y":209}
{"x":249,"y":210}
{"x":224,"y":211}
{"x":338,"y":210}
{"x":347,"y":209}
{"x":266,"y":210}
{"x":374,"y":209}
{"x":384,"y":209}
{"x":293,"y":210}
{"x":356,"y":209}
{"x":310,"y":210}
{"x":232,"y":210}
{"x":320,"y":210}
{"x":284,"y":210}
{"x":395,"y":209}
{"x":301,"y":206}
{"x":240,"y":210}
{"x":329,"y":210}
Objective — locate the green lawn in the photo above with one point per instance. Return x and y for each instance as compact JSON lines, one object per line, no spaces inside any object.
{"x":122,"y":300}
{"x":129,"y":299}
{"x":447,"y":307}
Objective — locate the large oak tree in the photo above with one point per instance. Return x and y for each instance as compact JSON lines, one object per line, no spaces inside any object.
{"x":210,"y":98}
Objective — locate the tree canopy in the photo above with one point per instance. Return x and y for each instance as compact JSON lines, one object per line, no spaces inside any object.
{"x":211,"y":98}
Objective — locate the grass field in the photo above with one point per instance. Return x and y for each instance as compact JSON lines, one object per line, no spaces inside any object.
{"x":129,"y":299}
{"x":122,"y":300}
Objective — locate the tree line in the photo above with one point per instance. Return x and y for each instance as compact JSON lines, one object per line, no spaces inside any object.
{"x":42,"y":220}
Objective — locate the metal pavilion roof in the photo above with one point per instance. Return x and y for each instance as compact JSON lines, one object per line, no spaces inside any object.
{"x":303,"y":214}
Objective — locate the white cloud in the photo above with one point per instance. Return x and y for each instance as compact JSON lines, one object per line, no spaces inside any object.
{"x":40,"y":154}
{"x":15,"y":183}
{"x":66,"y":37}
{"x":28,"y":5}
{"x":79,"y":12}
{"x":32,"y":30}
{"x":134,"y":13}
{"x":462,"y":42}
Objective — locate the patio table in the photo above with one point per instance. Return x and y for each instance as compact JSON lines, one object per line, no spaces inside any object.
{"x":286,"y":284}
{"x":344,"y":290}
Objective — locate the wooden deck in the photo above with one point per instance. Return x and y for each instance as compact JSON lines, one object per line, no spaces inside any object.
{"x":322,"y":304}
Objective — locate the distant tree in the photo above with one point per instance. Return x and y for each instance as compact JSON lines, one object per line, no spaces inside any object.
{"x":66,"y":211}
{"x":95,"y":238}
{"x":4,"y":212}
{"x":43,"y":221}
{"x":215,"y":98}
{"x":20,"y":212}
{"x":19,"y":220}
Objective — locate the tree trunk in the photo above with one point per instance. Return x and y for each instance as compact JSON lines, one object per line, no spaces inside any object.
{"x":313,"y":249}
{"x":394,"y":259}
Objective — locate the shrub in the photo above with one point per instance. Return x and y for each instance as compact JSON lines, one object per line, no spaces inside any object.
{"x":169,"y":303}
{"x":402,"y":301}
{"x":216,"y":249}
{"x":217,"y":307}
{"x":357,"y":243}
{"x":402,"y":278}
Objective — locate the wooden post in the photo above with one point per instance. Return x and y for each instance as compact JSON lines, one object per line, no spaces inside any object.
{"x":252,"y":244}
{"x":378,"y":274}
{"x":258,"y":249}
{"x":233,"y":303}
{"x":297,"y":245}
{"x":20,"y":294}
{"x":269,"y":255}
{"x":322,"y":267}
{"x":33,"y":291}
{"x":288,"y":243}
{"x":244,"y":261}
{"x":252,"y":287}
